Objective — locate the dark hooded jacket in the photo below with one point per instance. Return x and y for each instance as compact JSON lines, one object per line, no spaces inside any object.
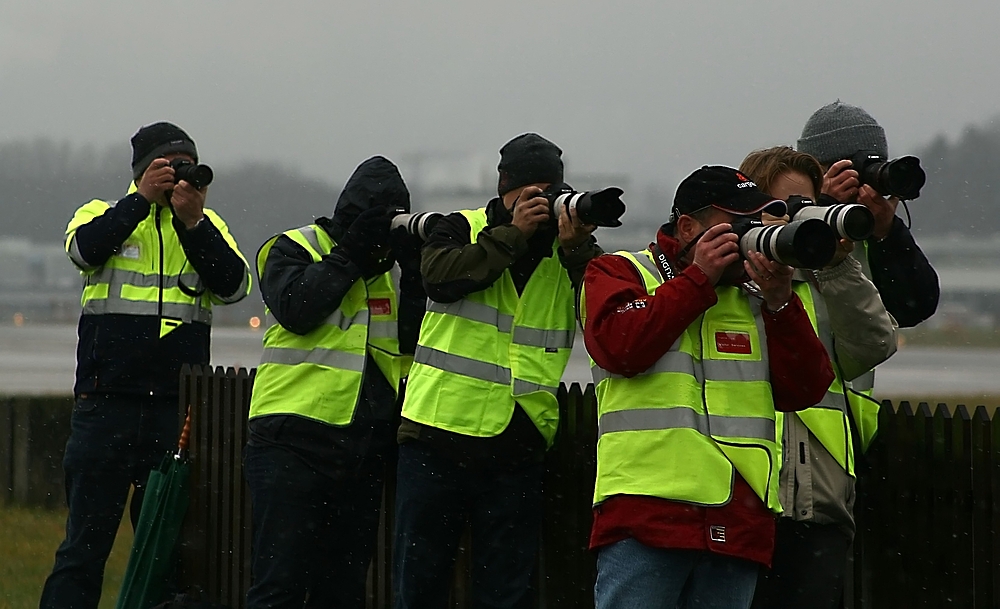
{"x":301,"y":294}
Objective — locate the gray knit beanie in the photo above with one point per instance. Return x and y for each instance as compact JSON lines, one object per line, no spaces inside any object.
{"x":838,"y":130}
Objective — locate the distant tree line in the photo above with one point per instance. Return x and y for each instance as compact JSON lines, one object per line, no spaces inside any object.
{"x":42,"y":182}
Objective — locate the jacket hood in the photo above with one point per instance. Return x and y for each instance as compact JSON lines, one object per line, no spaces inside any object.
{"x":375,"y":183}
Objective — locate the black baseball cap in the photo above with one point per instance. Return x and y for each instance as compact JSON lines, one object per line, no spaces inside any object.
{"x":723,"y":188}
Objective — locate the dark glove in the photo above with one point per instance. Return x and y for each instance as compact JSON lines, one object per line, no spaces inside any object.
{"x":366,"y":242}
{"x":406,"y":251}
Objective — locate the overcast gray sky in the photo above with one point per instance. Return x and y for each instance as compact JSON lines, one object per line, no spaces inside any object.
{"x":653,"y":89}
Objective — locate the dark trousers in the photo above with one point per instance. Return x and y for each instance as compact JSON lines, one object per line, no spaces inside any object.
{"x":113,"y":445}
{"x":810,"y":561}
{"x":435,"y":497}
{"x":313,"y":534}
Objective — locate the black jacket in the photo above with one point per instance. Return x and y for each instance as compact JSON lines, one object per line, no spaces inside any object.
{"x":301,"y":294}
{"x":124,"y":354}
{"x":904,"y":277}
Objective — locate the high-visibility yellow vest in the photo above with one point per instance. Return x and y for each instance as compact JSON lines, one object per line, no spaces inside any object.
{"x":864,"y":407}
{"x":150,"y":274}
{"x":679,"y":429}
{"x":478,"y":356}
{"x":319,"y":375}
{"x":827,"y":420}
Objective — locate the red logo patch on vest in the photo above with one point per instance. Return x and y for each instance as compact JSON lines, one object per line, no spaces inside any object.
{"x":380,"y":306}
{"x":733,"y":342}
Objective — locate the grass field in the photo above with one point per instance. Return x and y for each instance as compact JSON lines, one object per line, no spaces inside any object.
{"x":28,"y":541}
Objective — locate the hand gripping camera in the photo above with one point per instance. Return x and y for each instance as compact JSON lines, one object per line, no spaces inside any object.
{"x":597,"y":207}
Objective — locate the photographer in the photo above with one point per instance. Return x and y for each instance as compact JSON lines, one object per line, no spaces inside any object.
{"x":691,"y":363}
{"x":480,"y":408}
{"x":818,"y":451}
{"x":154,"y":263}
{"x":898,"y":268}
{"x":323,"y":408}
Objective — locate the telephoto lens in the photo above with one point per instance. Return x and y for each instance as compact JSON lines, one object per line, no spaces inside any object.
{"x":198,"y":176}
{"x":802,"y":244}
{"x":902,"y":177}
{"x":596,"y":207}
{"x":419,"y":224}
{"x":849,"y":221}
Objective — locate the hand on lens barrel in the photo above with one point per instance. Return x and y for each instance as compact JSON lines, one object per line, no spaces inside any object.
{"x":155,"y":181}
{"x":717,"y":249}
{"x":405,"y":249}
{"x":530,"y":210}
{"x":188,"y":203}
{"x":844,"y":249}
{"x":773,"y":279}
{"x":366,"y":242}
{"x":841,"y":182}
{"x":571,"y":232}
{"x":884,"y":209}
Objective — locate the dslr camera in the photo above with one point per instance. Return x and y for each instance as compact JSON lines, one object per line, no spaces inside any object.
{"x":902,"y":177}
{"x":419,"y":224}
{"x":803,"y":244}
{"x":196,"y":175}
{"x":849,"y":221}
{"x":597,"y":207}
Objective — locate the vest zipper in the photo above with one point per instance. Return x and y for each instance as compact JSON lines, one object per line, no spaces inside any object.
{"x":159,"y":240}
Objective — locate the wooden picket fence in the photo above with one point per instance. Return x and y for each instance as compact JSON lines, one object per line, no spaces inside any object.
{"x":928,"y":508}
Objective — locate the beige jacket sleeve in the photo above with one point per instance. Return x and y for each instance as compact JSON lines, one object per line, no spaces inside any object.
{"x":864,"y":332}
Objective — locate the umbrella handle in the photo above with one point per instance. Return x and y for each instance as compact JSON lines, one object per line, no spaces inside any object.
{"x":182,"y":445}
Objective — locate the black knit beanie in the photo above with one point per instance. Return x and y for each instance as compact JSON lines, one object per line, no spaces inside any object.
{"x":529,"y":159}
{"x":153,"y":141}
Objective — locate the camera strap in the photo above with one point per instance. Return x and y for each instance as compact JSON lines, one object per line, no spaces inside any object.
{"x":666,"y":269}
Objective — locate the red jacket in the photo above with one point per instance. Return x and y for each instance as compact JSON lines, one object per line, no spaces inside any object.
{"x":627,"y":339}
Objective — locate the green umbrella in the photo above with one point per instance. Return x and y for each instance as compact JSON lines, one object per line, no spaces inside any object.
{"x":163,"y":508}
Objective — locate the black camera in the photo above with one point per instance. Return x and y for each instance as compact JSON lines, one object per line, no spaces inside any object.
{"x":196,"y":175}
{"x":849,"y":221}
{"x":803,"y":244}
{"x":597,"y":207}
{"x":420,"y":224}
{"x":902,"y":177}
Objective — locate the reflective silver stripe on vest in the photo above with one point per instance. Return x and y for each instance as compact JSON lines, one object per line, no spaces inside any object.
{"x":336,"y":319}
{"x":186,"y":312}
{"x":240,"y":292}
{"x":383,"y":329}
{"x":831,"y":401}
{"x":671,"y":361}
{"x":865,"y":382}
{"x":648,"y":264}
{"x":547,"y":339}
{"x":734,"y":370}
{"x":652,"y":419}
{"x":330,"y":358}
{"x":522,"y":387}
{"x":122,"y":277}
{"x":473,"y":311}
{"x":310,"y":235}
{"x":76,"y":256}
{"x":464,"y":366}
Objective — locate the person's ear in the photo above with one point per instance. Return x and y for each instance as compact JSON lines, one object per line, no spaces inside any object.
{"x":688,"y":228}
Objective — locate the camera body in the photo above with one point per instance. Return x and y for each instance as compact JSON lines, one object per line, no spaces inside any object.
{"x":804,"y":244}
{"x":849,"y":221}
{"x":597,"y":207}
{"x":419,"y":224}
{"x":196,"y":175}
{"x":902,"y":177}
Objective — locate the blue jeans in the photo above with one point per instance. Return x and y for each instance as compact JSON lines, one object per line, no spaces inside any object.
{"x":435,"y":497}
{"x":113,"y":445}
{"x":631,"y":575}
